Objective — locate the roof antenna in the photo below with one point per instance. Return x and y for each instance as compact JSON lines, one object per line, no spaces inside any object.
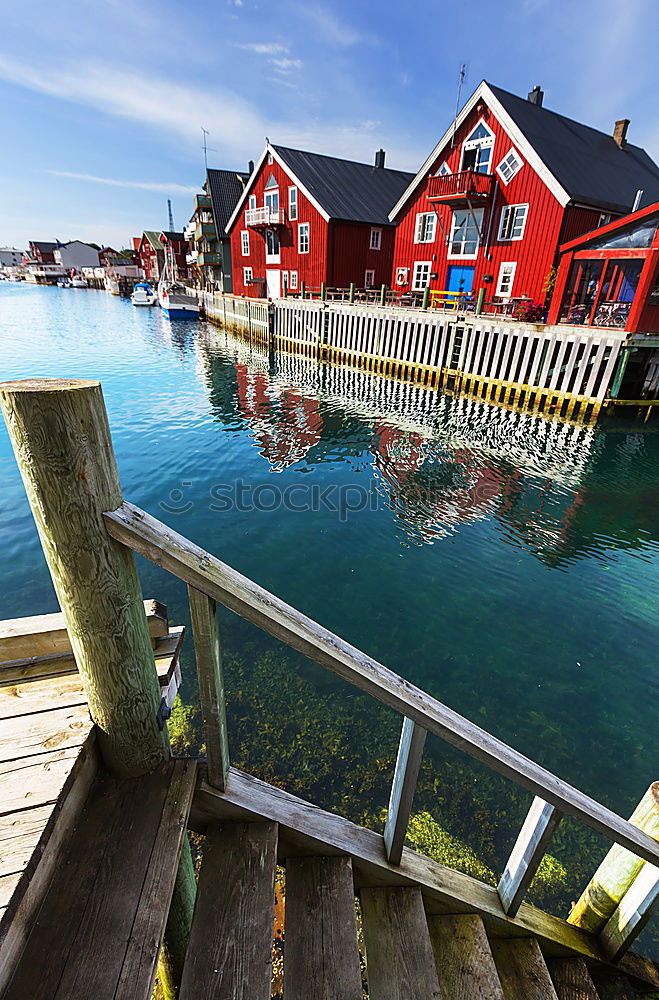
{"x":205,"y":132}
{"x":171,"y":217}
{"x":461,"y":79}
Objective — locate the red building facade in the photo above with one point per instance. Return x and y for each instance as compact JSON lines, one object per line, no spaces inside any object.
{"x":151,"y":253}
{"x":307,"y":218}
{"x":494,"y":200}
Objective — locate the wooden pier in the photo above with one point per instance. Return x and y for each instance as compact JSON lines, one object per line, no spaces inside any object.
{"x":95,"y":810}
{"x":566,"y":372}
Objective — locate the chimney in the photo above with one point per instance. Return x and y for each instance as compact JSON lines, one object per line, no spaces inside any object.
{"x":536,"y":96}
{"x":250,"y":167}
{"x":379,"y":159}
{"x":620,"y":132}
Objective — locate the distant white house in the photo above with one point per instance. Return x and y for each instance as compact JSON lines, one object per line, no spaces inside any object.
{"x":10,"y":257}
{"x":76,"y":255}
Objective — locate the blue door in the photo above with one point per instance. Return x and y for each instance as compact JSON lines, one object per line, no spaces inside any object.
{"x":459,"y":278}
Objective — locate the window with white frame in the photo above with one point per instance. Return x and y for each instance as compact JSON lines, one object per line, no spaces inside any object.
{"x":425,"y":227}
{"x":369,"y":279}
{"x":271,"y":247}
{"x":252,"y":201}
{"x":293,"y":285}
{"x":443,"y":170}
{"x":303,"y":237}
{"x":292,"y":203}
{"x":506,"y":277}
{"x":466,"y":232}
{"x":244,"y":242}
{"x":376,"y":239}
{"x":247,"y":275}
{"x":513,"y":221}
{"x":477,"y":149}
{"x":509,"y":166}
{"x":421,"y":274}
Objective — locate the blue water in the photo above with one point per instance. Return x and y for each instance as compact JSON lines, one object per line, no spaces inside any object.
{"x":505,"y":564}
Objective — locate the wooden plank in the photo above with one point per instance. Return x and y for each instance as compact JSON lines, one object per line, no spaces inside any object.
{"x":632,"y":913}
{"x":36,"y":780}
{"x":463,"y":958}
{"x":19,"y":835}
{"x":7,"y":885}
{"x":571,"y":979}
{"x":166,"y":650}
{"x":522,"y":970}
{"x":40,"y":695}
{"x":206,"y":633}
{"x":30,"y":735}
{"x":165,"y":547}
{"x":30,"y":891}
{"x":399,"y":959}
{"x":311,"y":830}
{"x":230,"y":951}
{"x":530,"y":848}
{"x":139,"y":965}
{"x":47,"y":635}
{"x":406,"y":773}
{"x":322,"y":954}
{"x":102,"y":920}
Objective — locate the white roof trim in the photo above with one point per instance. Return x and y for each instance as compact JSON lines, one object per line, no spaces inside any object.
{"x":518,"y":138}
{"x":296,"y":183}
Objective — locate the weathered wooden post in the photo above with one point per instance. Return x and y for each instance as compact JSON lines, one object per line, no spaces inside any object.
{"x":383,"y":295}
{"x":426,"y":297}
{"x":618,"y":871}
{"x":479,"y":301}
{"x":61,"y":438}
{"x":323,"y":290}
{"x":351,"y":295}
{"x":303,"y":290}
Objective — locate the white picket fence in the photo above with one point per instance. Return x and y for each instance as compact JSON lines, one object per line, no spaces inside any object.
{"x":236,"y":312}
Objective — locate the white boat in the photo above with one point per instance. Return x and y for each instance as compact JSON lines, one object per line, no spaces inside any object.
{"x":174,"y":301}
{"x":64,"y":282}
{"x":77,"y":281}
{"x":143,"y":295}
{"x":111,"y":284}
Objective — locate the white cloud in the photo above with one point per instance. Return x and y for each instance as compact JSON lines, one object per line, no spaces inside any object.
{"x":329,"y":28}
{"x":286,"y":65}
{"x":138,"y":185}
{"x":263,"y":48}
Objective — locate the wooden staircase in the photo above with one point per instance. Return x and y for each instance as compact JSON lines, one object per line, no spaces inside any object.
{"x":409,"y":954}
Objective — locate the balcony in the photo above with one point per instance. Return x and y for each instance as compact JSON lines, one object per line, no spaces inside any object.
{"x":461,"y":188}
{"x":209,"y":259}
{"x":265,"y":216}
{"x":202,"y":203}
{"x":205,"y":230}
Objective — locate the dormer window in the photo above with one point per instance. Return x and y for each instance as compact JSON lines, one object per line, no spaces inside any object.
{"x":477,"y":149}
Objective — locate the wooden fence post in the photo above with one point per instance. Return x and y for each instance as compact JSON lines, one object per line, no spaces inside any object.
{"x":426,"y":297}
{"x":323,"y":290}
{"x":61,"y":438}
{"x":383,"y":295}
{"x":616,"y":874}
{"x":351,"y":295}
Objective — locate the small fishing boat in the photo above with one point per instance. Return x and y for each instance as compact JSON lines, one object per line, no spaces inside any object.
{"x":143,"y":295}
{"x":78,"y":281}
{"x":173,"y":299}
{"x":64,"y":282}
{"x":112,"y":284}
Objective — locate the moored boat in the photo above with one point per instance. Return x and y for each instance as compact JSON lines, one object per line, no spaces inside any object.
{"x":112,"y":284}
{"x":173,"y":299}
{"x":143,"y":295}
{"x":64,"y":282}
{"x":78,"y":281}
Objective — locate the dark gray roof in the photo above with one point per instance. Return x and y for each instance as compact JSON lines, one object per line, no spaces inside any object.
{"x":588,"y":163}
{"x":355,"y":192}
{"x":177,"y":237}
{"x":225,"y":188}
{"x":43,"y":247}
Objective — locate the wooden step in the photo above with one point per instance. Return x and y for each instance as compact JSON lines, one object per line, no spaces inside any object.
{"x":99,"y":930}
{"x":571,"y":979}
{"x":229,"y":955}
{"x":320,"y":937}
{"x":522,"y":969}
{"x":463,"y":957}
{"x":611,"y":985}
{"x":400,"y":964}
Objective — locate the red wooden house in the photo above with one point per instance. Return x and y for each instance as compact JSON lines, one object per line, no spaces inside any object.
{"x":506,"y":185}
{"x":304,"y":217}
{"x":40,"y":252}
{"x":152,"y":253}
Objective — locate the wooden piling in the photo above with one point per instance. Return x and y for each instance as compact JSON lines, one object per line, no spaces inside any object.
{"x":618,"y":871}
{"x":61,"y":439}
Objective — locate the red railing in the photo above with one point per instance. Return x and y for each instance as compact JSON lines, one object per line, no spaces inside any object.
{"x":465,"y":184}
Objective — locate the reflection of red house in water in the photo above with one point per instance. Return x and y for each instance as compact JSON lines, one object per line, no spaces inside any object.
{"x":431,"y":490}
{"x":285,"y":422}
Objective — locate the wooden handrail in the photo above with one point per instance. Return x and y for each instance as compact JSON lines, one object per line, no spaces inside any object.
{"x":199,"y":569}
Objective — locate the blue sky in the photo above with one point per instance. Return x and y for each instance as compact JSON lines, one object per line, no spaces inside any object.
{"x":102,"y":103}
